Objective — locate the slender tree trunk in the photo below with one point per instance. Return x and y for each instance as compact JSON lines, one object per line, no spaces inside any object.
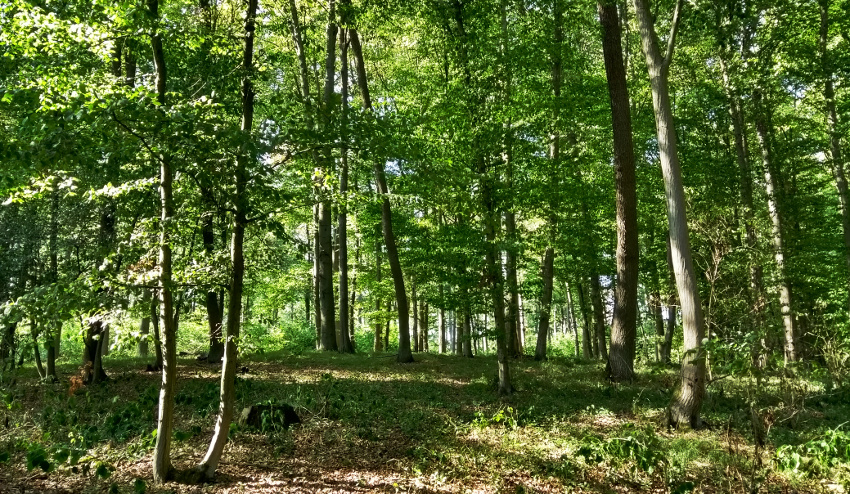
{"x":624,"y":325}
{"x":209,"y":464}
{"x":342,"y":228}
{"x":162,"y":469}
{"x":54,"y":337}
{"x":36,"y":351}
{"x":379,"y":347}
{"x":157,"y":340}
{"x":404,"y":353}
{"x":837,"y":159}
{"x":442,"y":322}
{"x":771,"y":180}
{"x":415,"y":332}
{"x":687,"y":401}
{"x":598,"y":316}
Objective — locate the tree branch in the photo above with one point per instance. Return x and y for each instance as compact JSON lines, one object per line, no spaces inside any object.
{"x":671,"y":40}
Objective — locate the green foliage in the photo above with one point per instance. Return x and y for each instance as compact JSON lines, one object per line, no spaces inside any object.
{"x":37,"y":457}
{"x":817,"y":456}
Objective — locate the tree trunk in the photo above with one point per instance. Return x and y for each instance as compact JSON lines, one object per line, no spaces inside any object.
{"x":771,"y":181}
{"x":144,"y":331}
{"x":404,"y":353}
{"x":687,"y":400}
{"x":342,"y":228}
{"x":379,"y":347}
{"x":837,"y":160}
{"x":415,"y":332}
{"x":598,"y":317}
{"x":214,"y":308}
{"x":36,"y":351}
{"x":442,"y":322}
{"x":545,"y":303}
{"x":210,"y":462}
{"x":162,"y":469}
{"x":157,"y":340}
{"x":624,"y":324}
{"x":465,"y":333}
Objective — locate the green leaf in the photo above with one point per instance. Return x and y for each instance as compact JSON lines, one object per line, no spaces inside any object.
{"x":102,"y":471}
{"x":139,"y":486}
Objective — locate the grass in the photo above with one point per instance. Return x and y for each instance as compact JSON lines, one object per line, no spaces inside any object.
{"x":369,"y":424}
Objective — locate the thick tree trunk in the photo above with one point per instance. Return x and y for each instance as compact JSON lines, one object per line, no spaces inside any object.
{"x":404,"y":353}
{"x":327,"y":341}
{"x":687,"y":401}
{"x":209,"y":464}
{"x":771,"y":182}
{"x":465,"y":333}
{"x":624,"y":325}
{"x":326,"y":278}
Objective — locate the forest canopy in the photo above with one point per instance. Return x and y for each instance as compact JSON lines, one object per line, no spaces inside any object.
{"x":604,"y":198}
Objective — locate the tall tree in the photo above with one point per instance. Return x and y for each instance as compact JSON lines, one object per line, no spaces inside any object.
{"x":404,"y":351}
{"x":245,"y":155}
{"x":162,"y":468}
{"x":685,"y":407}
{"x":624,"y":326}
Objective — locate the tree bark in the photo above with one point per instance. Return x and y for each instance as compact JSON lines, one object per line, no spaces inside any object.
{"x":545,"y":303}
{"x":379,"y":347}
{"x":415,"y":329}
{"x":404,"y":353}
{"x":209,"y":464}
{"x":342,"y":227}
{"x":777,"y":220}
{"x":598,"y":317}
{"x":687,"y":401}
{"x":624,"y":324}
{"x":162,"y":469}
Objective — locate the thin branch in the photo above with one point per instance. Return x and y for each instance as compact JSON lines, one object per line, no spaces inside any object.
{"x":671,"y":40}
{"x":137,"y":136}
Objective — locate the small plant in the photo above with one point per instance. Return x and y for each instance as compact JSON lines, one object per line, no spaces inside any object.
{"x":506,"y":417}
{"x":815,"y":457}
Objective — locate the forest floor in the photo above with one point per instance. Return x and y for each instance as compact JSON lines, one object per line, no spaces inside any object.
{"x":370,"y":424}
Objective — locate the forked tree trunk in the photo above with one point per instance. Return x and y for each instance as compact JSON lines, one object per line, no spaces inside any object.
{"x":624,"y":324}
{"x":209,"y":464}
{"x":404,"y":353}
{"x":685,"y":407}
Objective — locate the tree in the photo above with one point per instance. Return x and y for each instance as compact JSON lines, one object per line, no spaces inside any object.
{"x":623,"y":329}
{"x":687,"y":400}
